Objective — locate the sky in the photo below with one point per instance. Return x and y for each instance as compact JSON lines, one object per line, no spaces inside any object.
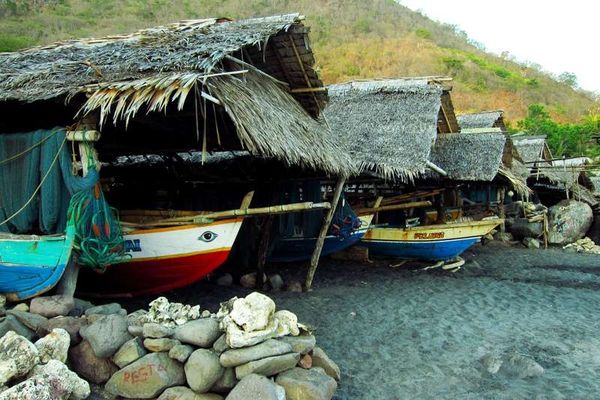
{"x":559,"y":35}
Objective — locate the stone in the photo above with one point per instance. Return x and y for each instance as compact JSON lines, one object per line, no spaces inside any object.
{"x":2,"y":300}
{"x":505,"y":237}
{"x":253,"y":312}
{"x":130,"y":351}
{"x":256,"y":387}
{"x":200,"y":332}
{"x":202,"y":370}
{"x":52,"y":306}
{"x":104,"y":309}
{"x":106,"y":335}
{"x":236,"y":337}
{"x":491,"y":363}
{"x":171,"y":314}
{"x":520,"y":366}
{"x":162,"y":344}
{"x":225,"y":280}
{"x":287,"y":323}
{"x":300,"y":344}
{"x":522,"y":228}
{"x":305,"y":361}
{"x":156,"y":331}
{"x":185,"y":393}
{"x":10,"y":323}
{"x":268,"y":366}
{"x":249,"y":280}
{"x":17,"y":356}
{"x":99,"y":392}
{"x":181,"y":352}
{"x":30,"y":320}
{"x":276,"y":282}
{"x":568,"y":221}
{"x":70,"y":324}
{"x":220,"y":345}
{"x":136,"y":330}
{"x":226,"y":382}
{"x":531,"y":243}
{"x":137,"y":318}
{"x":147,"y":377}
{"x":268,"y":348}
{"x":307,"y":384}
{"x":321,"y":359}
{"x":21,"y":307}
{"x":59,"y":376}
{"x":294,"y":286}
{"x":79,"y":307}
{"x":54,"y":346}
{"x":84,"y":361}
{"x":205,"y":314}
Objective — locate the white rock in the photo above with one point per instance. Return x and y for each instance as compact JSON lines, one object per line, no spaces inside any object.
{"x":59,"y":376}
{"x":253,"y":312}
{"x":54,"y":346}
{"x":235,"y":337}
{"x":288,"y":323}
{"x":17,"y":356}
{"x":171,"y":314}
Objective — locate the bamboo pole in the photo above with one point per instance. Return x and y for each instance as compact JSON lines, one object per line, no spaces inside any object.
{"x":314,"y":260}
{"x":501,"y":212}
{"x":413,"y":204}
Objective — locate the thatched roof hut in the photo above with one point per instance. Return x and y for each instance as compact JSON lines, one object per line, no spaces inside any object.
{"x":389,"y":125}
{"x":221,"y":84}
{"x":532,"y":149}
{"x":482,"y":120}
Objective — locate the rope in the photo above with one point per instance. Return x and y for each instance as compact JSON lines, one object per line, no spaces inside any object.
{"x":29,"y":149}
{"x":37,"y":189}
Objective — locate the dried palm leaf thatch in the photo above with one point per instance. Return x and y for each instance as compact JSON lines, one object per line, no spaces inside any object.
{"x":469,"y":156}
{"x":530,"y":148}
{"x":483,"y":119}
{"x":518,"y":183}
{"x":387,"y":125}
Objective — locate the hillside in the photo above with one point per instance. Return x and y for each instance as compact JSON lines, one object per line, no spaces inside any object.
{"x":352,"y":39}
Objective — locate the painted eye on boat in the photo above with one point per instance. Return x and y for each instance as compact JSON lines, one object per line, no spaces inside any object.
{"x":208,"y":236}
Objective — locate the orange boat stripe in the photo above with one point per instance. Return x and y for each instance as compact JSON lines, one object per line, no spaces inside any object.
{"x":194,"y":253}
{"x":182,"y":227}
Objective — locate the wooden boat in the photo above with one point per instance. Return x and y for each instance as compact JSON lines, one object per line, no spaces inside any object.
{"x":442,"y":242}
{"x":31,"y":265}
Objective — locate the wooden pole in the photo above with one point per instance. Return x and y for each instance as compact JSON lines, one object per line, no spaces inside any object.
{"x":314,"y":260}
{"x":501,"y":212}
{"x":263,"y":248}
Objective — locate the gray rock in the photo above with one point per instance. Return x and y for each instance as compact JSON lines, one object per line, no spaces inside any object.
{"x":52,"y":306}
{"x":256,"y":387}
{"x":268,"y":366}
{"x":300,"y":344}
{"x":226,"y":382}
{"x":519,"y":366}
{"x":84,"y":361}
{"x":156,"y":331}
{"x":162,"y":344}
{"x":17,"y":356}
{"x":269,"y":348}
{"x":105,"y":309}
{"x":10,"y":323}
{"x":522,"y":228}
{"x":137,"y":318}
{"x":79,"y":307}
{"x":202,"y":370}
{"x":568,"y":221}
{"x":135,"y":330}
{"x":21,"y":307}
{"x":287,"y":323}
{"x":220,"y":345}
{"x":54,"y":346}
{"x":307,"y":384}
{"x":320,"y":359}
{"x":249,"y":280}
{"x":58,"y":375}
{"x":131,"y":351}
{"x":294,"y":286}
{"x":107,"y":334}
{"x":99,"y":392}
{"x":276,"y":282}
{"x":181,"y":352}
{"x":491,"y":363}
{"x":185,"y":393}
{"x":531,"y":243}
{"x":147,"y":377}
{"x":225,"y":280}
{"x":201,"y":332}
{"x":70,"y":324}
{"x":31,"y":321}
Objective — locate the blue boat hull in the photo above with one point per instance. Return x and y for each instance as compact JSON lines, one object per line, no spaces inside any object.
{"x":442,"y":250}
{"x":301,"y":249}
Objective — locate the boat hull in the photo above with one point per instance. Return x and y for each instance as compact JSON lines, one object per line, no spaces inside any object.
{"x":164,"y":259}
{"x":301,"y":249}
{"x":32,"y":265}
{"x":430,"y":243}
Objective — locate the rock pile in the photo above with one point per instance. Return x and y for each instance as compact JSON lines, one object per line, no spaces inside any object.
{"x":247,"y":350}
{"x":585,"y":245}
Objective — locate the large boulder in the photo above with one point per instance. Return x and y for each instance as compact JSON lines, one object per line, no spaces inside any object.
{"x":202,"y":370}
{"x":107,"y":334}
{"x":256,"y":387}
{"x":268,"y":366}
{"x":52,"y":306}
{"x":147,"y":377}
{"x":522,"y":228}
{"x":54,"y":346}
{"x":84,"y":361}
{"x":569,"y":220}
{"x":17,"y":356}
{"x":307,"y":384}
{"x":200,"y":332}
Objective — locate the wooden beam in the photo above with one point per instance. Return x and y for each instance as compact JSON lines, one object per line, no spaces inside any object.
{"x":308,"y":90}
{"x":301,"y":64}
{"x":314,"y":260}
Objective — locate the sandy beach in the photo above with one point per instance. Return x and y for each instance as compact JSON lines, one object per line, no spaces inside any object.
{"x":400,"y":334}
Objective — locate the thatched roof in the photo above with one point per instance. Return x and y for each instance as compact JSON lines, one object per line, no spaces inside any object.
{"x":388,"y":126}
{"x":531,"y":148}
{"x":483,"y":119}
{"x":469,"y":156}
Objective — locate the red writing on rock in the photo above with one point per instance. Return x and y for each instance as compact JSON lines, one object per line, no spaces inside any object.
{"x":142,"y":374}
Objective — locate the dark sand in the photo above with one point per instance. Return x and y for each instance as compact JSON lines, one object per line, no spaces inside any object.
{"x":401,"y":334}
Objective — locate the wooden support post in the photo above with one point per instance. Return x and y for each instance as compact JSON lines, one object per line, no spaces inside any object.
{"x":441,"y":209}
{"x":314,"y":260}
{"x":501,"y":212}
{"x":263,"y":248}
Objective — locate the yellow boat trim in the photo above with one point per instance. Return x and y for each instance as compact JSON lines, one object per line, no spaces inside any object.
{"x":193,"y":253}
{"x":182,"y":227}
{"x":433,"y":232}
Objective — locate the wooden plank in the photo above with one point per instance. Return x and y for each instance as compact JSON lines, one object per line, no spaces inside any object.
{"x":314,"y":260}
